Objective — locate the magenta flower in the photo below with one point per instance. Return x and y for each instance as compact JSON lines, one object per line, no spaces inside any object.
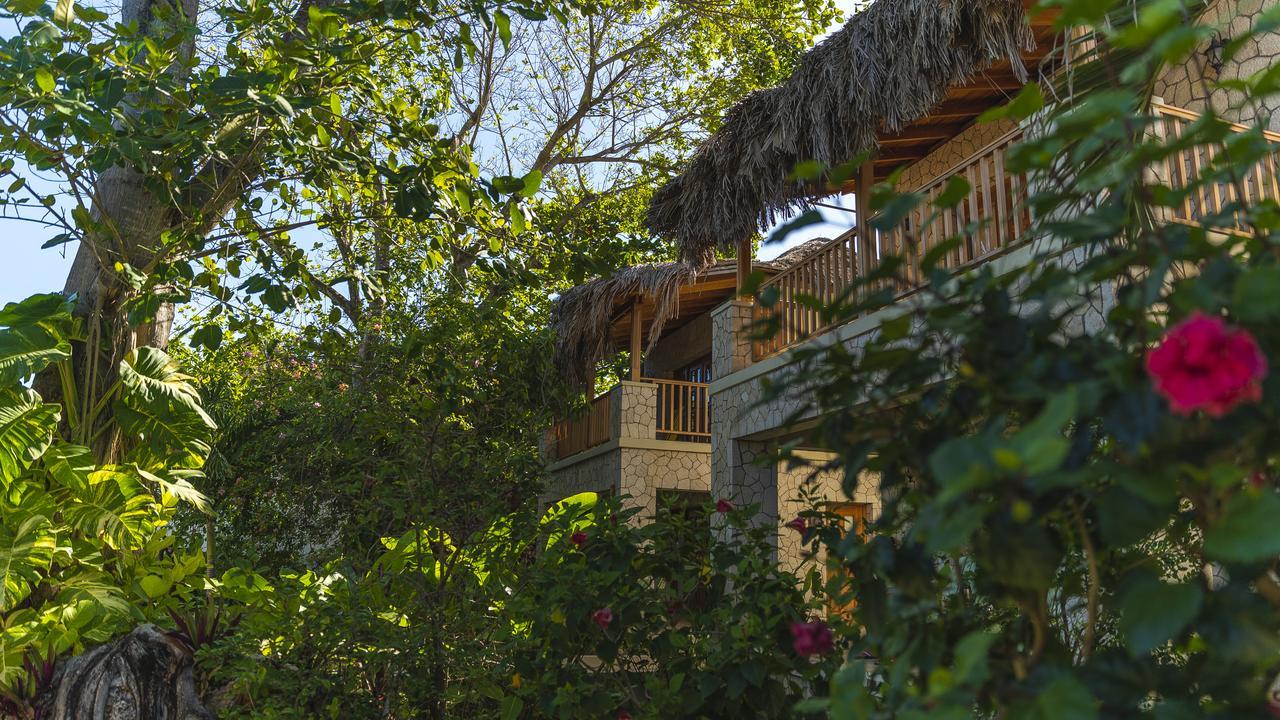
{"x":578,"y":538}
{"x":811,"y":638}
{"x":603,"y":617}
{"x":797,"y":524}
{"x":724,"y":506}
{"x":1205,"y":364}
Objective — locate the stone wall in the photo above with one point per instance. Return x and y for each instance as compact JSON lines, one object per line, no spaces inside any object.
{"x":1189,"y":85}
{"x":645,"y":472}
{"x":596,"y":474}
{"x":810,"y":484}
{"x":952,"y":152}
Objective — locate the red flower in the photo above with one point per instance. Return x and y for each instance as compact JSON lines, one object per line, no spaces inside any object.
{"x":624,"y":715}
{"x":603,"y":617}
{"x":797,"y":524}
{"x":724,"y":506}
{"x":1205,"y":364}
{"x":578,"y":538}
{"x":811,"y":638}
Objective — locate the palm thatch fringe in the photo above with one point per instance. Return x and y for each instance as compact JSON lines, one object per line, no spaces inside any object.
{"x":887,"y":67}
{"x":583,"y":315}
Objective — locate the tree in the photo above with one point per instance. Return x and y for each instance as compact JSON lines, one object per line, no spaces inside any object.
{"x":170,"y":163}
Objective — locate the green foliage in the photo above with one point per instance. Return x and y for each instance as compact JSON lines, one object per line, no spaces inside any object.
{"x":495,"y":626}
{"x":85,"y":548}
{"x":1057,"y":540}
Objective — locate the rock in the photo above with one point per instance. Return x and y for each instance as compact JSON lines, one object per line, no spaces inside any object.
{"x":145,"y":675}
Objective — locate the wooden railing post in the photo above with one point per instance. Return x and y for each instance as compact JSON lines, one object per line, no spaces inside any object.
{"x":865,"y":241}
{"x":744,"y":263}
{"x":636,"y":333}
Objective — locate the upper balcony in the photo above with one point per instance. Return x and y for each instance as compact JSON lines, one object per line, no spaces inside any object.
{"x":990,"y":220}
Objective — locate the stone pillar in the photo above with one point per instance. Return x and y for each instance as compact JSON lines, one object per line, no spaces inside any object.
{"x":730,"y":341}
{"x":635,"y":410}
{"x":740,"y":478}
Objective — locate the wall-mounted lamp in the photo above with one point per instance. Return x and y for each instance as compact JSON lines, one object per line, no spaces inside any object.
{"x":1213,"y":53}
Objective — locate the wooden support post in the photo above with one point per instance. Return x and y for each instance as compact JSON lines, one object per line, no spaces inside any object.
{"x":744,"y":262}
{"x":862,"y":202}
{"x":636,"y":336}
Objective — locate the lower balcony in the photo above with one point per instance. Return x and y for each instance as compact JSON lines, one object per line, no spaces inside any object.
{"x":641,"y":439}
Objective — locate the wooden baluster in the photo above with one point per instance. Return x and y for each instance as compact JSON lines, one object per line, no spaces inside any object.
{"x":1001,"y":213}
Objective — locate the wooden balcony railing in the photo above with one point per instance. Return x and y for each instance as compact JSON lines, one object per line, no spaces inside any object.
{"x":1179,"y":171}
{"x":988,"y":219}
{"x":593,"y":427}
{"x":684,"y":410}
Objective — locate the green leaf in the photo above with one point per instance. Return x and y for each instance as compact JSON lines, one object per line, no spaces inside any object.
{"x":1067,"y":698}
{"x":532,"y":181}
{"x":1246,"y":529}
{"x":1152,"y":612}
{"x":115,"y":506}
{"x":63,"y":11}
{"x":26,"y":549}
{"x":27,"y":425}
{"x":503,"y":22}
{"x":27,"y":349}
{"x":154,"y":586}
{"x":956,"y":190}
{"x":1028,"y":102}
{"x":160,"y":406}
{"x":44,"y":80}
{"x":1040,"y":445}
{"x":512,"y":705}
{"x":1257,"y":294}
{"x":70,"y":465}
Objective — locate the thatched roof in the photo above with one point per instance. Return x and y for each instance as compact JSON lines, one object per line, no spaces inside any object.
{"x":888,"y":66}
{"x":583,"y":315}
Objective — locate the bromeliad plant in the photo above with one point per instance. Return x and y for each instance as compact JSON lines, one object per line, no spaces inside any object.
{"x":84,"y":548}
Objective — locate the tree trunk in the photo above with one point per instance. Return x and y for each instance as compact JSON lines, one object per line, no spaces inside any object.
{"x":145,"y":675}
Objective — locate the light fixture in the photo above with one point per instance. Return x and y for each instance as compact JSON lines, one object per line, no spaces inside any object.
{"x":1213,"y":53}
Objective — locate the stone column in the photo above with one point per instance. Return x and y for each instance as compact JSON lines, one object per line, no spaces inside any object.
{"x":636,"y":410}
{"x":730,"y":343}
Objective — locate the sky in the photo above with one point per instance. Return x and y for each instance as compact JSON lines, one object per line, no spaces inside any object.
{"x":29,"y":269}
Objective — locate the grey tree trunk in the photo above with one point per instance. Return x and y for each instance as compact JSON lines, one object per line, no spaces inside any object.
{"x":145,"y":675}
{"x":129,"y":223}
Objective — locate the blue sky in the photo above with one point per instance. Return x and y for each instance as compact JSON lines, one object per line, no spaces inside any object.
{"x":30,"y":269}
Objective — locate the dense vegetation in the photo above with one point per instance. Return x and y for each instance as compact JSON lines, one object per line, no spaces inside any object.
{"x":325,"y":492}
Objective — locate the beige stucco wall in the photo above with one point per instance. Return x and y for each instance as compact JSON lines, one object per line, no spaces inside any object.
{"x":1185,"y":86}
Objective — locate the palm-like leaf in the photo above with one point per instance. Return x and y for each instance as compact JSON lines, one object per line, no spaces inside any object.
{"x":115,"y":507}
{"x":36,"y":332}
{"x":27,"y":425}
{"x":25,"y":553}
{"x":159,"y":406}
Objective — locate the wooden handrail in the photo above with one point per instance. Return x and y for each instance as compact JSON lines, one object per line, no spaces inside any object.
{"x":683,"y":411}
{"x":987,"y":220}
{"x":593,"y":427}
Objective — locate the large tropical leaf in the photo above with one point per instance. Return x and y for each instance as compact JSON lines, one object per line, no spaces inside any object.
{"x":70,"y":465}
{"x":27,"y":425}
{"x":36,"y":332}
{"x":115,"y":507}
{"x":159,"y":406}
{"x":176,"y":486}
{"x":26,"y":548}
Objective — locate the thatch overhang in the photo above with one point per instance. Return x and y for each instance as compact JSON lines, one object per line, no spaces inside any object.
{"x":592,"y":321}
{"x":900,"y":78}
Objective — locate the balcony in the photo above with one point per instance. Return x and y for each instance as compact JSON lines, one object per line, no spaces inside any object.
{"x":992,"y":218}
{"x":648,"y":409}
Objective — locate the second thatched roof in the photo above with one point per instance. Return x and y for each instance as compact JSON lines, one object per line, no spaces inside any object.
{"x":887,"y":67}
